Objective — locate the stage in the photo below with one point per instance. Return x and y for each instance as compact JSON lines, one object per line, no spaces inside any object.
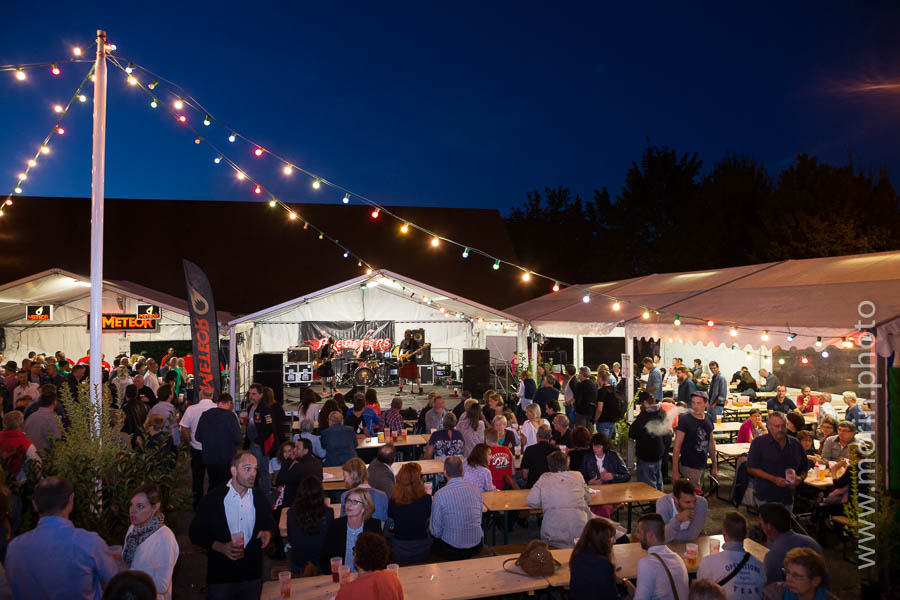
{"x":385,"y":395}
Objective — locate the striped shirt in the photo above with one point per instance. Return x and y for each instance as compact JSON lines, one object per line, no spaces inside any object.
{"x":456,"y":514}
{"x":479,"y":476}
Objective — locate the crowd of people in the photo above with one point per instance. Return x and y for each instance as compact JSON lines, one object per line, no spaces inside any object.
{"x":247,"y":469}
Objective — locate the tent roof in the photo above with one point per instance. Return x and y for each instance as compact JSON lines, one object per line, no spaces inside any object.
{"x":59,"y":287}
{"x":789,"y":295}
{"x":404,"y":287}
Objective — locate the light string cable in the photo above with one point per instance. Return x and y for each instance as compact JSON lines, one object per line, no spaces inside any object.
{"x":44,"y":148}
{"x":186,"y":99}
{"x":221,"y":157}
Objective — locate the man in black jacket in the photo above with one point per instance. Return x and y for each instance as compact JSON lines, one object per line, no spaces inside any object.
{"x":546,"y":393}
{"x":233,"y":522}
{"x":219,"y":432}
{"x":648,"y":430}
{"x":585,"y":399}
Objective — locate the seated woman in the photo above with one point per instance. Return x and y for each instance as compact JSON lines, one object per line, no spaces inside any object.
{"x":477,"y":471}
{"x":343,"y":532}
{"x":357,"y":476}
{"x":581,"y":447}
{"x":592,"y":573}
{"x":747,"y":385}
{"x":308,"y":521}
{"x":563,"y":497}
{"x":494,"y":406}
{"x":447,"y":441}
{"x":806,"y":440}
{"x":804,"y":578}
{"x":604,"y":465}
{"x":827,"y":429}
{"x":370,"y":559}
{"x":505,"y":435}
{"x":471,"y":426}
{"x":751,"y":428}
{"x":531,"y":425}
{"x":410,"y":510}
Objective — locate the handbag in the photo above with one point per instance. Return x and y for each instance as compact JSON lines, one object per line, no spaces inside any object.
{"x":535,"y":560}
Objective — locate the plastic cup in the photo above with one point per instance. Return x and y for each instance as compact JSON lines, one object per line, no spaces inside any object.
{"x":821,"y":470}
{"x":116,"y":552}
{"x":395,"y":568}
{"x":518,"y":450}
{"x":719,"y":419}
{"x":284,"y":583}
{"x":429,"y":486}
{"x":381,"y":437}
{"x":181,"y":397}
{"x":336,"y":562}
{"x":403,"y":435}
{"x":562,"y":448}
{"x":433,"y":430}
{"x":244,"y":417}
{"x":238,"y":538}
{"x":690,"y":555}
{"x":344,"y":573}
{"x":790,"y":475}
{"x":714,"y":545}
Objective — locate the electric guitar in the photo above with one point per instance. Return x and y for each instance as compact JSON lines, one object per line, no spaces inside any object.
{"x":323,"y":360}
{"x":408,"y":356}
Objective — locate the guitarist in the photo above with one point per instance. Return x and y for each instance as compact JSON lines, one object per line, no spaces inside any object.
{"x":410,"y":370}
{"x":325,"y":370}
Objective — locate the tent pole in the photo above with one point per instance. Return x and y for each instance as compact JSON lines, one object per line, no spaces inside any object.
{"x":232,"y":362}
{"x":97,"y":182}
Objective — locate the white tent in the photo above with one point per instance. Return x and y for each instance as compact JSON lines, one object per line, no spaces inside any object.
{"x":451,"y":322}
{"x":69,"y":295}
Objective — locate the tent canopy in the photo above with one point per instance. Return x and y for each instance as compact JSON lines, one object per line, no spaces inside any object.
{"x":808,"y":297}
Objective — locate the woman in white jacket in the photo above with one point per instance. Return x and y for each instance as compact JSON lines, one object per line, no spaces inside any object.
{"x":150,"y":546}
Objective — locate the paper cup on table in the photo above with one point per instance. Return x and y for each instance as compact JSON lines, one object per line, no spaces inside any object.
{"x":714,"y":545}
{"x":336,"y":562}
{"x":344,"y":573}
{"x":690,"y":555}
{"x":284,"y":583}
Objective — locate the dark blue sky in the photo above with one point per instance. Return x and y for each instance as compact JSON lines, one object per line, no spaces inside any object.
{"x":457,"y":104}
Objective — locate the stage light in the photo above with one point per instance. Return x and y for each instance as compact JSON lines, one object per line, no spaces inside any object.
{"x":217,"y":159}
{"x":76,"y":51}
{"x":153,"y":104}
{"x":258,"y":152}
{"x":179,"y":105}
{"x":272,"y":203}
{"x":586,"y":298}
{"x":555,"y":286}
{"x":60,"y":130}
{"x":287,"y":170}
{"x":496,"y":264}
{"x":824,"y":353}
{"x":616,"y":305}
{"x":231,"y":138}
{"x":526,"y":276}
{"x":316,"y":184}
{"x":32,"y":163}
{"x":346,"y":199}
{"x":82,"y":98}
{"x":710,"y":323}
{"x":465,"y":253}
{"x":20,"y":74}
{"x":781,"y":361}
{"x":804,"y":360}
{"x":206,"y":120}
{"x":435,"y":242}
{"x":376,"y":213}
{"x":645,"y":315}
{"x":677,"y":321}
{"x":54,"y":69}
{"x":765,"y":336}
{"x":257,"y":190}
{"x":132,"y":80}
{"x":45,"y":149}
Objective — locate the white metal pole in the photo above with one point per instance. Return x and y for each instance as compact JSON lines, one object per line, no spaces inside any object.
{"x":232,"y":365}
{"x":97,"y":179}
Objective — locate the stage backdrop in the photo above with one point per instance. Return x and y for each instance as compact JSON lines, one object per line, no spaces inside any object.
{"x":348,"y":335}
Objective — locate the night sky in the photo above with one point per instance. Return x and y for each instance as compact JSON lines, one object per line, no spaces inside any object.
{"x":453,"y":104}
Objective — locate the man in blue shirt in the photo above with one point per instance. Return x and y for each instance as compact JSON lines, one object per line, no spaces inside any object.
{"x":654,"y":379}
{"x":84,"y":563}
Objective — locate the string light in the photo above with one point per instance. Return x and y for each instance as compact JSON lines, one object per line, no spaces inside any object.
{"x":197,"y":140}
{"x":791,"y":337}
{"x":153,"y":85}
{"x":206,"y":121}
{"x":616,"y":305}
{"x":733,"y":347}
{"x":346,"y":199}
{"x":153,"y":104}
{"x":496,"y":264}
{"x":82,"y":98}
{"x":586,"y":298}
{"x":316,"y":184}
{"x":321,"y":236}
{"x":287,"y":170}
{"x":292,"y":215}
{"x":818,"y":341}
{"x":130,"y":68}
{"x":60,"y":130}
{"x":404,"y":228}
{"x":20,"y":75}
{"x":804,"y":360}
{"x":132,"y":80}
{"x":22,"y":176}
{"x":182,"y":119}
{"x":555,"y":286}
{"x":258,"y":152}
{"x":76,"y":51}
{"x":217,"y":159}
{"x":710,"y":323}
{"x":645,"y":315}
{"x":272,"y":203}
{"x":45,"y":149}
{"x":749,"y":355}
{"x":9,"y":202}
{"x":179,"y":105}
{"x":824,"y":353}
{"x":257,"y":190}
{"x":32,"y":163}
{"x":18,"y":190}
{"x":765,"y":336}
{"x":465,"y":252}
{"x":847,"y":343}
{"x":677,"y":321}
{"x":231,"y":138}
{"x":733,"y":332}
{"x":54,"y":69}
{"x":526,"y":276}
{"x":435,"y":242}
{"x":240,"y":175}
{"x":781,"y":361}
{"x":346,"y":254}
{"x":375,"y":213}
{"x":58,"y":108}
{"x":305,"y":226}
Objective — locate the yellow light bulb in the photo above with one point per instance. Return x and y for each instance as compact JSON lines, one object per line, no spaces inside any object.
{"x":435,"y":242}
{"x":58,"y":108}
{"x":132,"y":80}
{"x":32,"y":163}
{"x":293,"y":216}
{"x":288,"y":170}
{"x":76,"y":51}
{"x":20,"y":74}
{"x":45,"y":149}
{"x":316,"y":184}
{"x":526,"y":276}
{"x":240,"y":176}
{"x":22,"y":176}
{"x":179,"y":105}
{"x":404,"y":228}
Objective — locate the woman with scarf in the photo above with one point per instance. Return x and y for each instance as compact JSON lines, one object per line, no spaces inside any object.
{"x":150,"y":546}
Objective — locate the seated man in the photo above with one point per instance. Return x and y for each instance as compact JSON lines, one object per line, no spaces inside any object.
{"x":393,"y":417}
{"x":855,"y":414}
{"x":338,"y":441}
{"x":775,"y":520}
{"x":662,"y":573}
{"x":362,"y":418}
{"x":534,"y":461}
{"x":562,"y":434}
{"x":806,"y":401}
{"x":683,"y":511}
{"x":307,"y":427}
{"x":500,"y":462}
{"x":456,"y":515}
{"x":780,"y":403}
{"x":739,"y":573}
{"x":836,"y":447}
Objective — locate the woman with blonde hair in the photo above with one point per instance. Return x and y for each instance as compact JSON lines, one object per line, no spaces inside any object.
{"x":343,"y":531}
{"x":410,"y":511}
{"x":357,"y":476}
{"x":531,"y":425}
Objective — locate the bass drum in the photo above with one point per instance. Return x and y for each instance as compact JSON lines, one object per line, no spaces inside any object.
{"x":364,"y":376}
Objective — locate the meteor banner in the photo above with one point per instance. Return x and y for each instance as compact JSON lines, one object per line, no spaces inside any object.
{"x":204,"y":330}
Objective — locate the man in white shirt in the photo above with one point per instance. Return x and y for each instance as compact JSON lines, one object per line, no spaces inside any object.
{"x":189,"y":422}
{"x":661,"y":575}
{"x":683,"y":511}
{"x":25,"y":387}
{"x":738,"y":573}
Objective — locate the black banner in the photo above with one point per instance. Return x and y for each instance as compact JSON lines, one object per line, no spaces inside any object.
{"x":348,"y":335}
{"x":42,"y":312}
{"x":204,"y":330}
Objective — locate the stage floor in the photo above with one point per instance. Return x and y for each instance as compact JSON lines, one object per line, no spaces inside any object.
{"x":385,"y":395}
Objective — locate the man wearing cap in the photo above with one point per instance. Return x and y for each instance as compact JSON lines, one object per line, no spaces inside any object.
{"x":694,"y":442}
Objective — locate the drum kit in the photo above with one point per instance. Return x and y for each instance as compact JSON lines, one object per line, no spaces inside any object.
{"x":380,"y":371}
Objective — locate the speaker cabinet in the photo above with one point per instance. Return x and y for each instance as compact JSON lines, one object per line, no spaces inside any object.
{"x":476,"y":373}
{"x":267,"y":370}
{"x":424,"y":357}
{"x":426,"y":374}
{"x":299,"y":354}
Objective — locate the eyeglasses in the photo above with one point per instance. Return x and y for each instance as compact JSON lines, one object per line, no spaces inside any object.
{"x":352,"y":501}
{"x":793,"y":575}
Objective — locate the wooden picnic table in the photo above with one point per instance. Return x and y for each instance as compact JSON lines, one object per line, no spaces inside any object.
{"x":729,"y":453}
{"x":458,"y":580}
{"x":812,"y":478}
{"x":608,"y":493}
{"x":334,"y":476}
{"x":626,"y":557}
{"x":729,"y":428}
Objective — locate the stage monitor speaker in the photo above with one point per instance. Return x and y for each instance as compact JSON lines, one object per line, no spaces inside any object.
{"x":424,"y":357}
{"x":426,"y":374}
{"x":267,"y":370}
{"x":299,"y":354}
{"x":476,"y":373}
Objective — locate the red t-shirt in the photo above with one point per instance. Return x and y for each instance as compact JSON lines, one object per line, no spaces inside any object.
{"x":501,"y":465}
{"x":669,"y":407}
{"x":189,"y":365}
{"x":810,"y":402}
{"x":87,"y":359}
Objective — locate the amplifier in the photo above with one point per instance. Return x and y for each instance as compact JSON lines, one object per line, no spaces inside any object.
{"x":299,"y":354}
{"x":426,"y":374}
{"x":298,"y":372}
{"x":441,"y":370}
